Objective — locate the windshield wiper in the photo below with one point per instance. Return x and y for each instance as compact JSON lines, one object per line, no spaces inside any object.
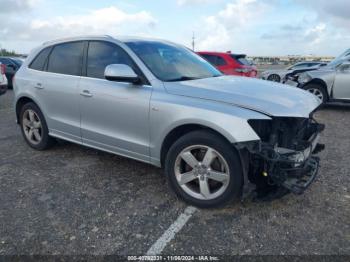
{"x":182,"y":78}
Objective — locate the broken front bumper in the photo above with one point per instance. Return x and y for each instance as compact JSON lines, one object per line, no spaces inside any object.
{"x":271,"y":167}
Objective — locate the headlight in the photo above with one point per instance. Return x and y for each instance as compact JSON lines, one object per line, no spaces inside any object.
{"x":304,"y":78}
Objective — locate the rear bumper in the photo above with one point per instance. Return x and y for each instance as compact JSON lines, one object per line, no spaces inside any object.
{"x":3,"y":89}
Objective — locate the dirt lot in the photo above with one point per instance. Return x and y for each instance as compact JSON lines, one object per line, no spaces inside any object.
{"x":75,"y":200}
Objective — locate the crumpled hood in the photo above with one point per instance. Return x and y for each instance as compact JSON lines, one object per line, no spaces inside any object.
{"x":263,"y":96}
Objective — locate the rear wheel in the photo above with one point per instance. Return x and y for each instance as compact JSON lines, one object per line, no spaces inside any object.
{"x":34,"y":127}
{"x":204,"y":170}
{"x":274,"y":78}
{"x":318,"y":91}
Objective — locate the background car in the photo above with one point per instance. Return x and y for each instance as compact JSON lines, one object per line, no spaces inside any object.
{"x":3,"y":79}
{"x":330,"y":83}
{"x":12,"y":65}
{"x":230,"y":64}
{"x":279,"y":74}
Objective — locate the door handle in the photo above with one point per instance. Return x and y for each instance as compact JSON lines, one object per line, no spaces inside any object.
{"x":39,"y":86}
{"x":86,"y":93}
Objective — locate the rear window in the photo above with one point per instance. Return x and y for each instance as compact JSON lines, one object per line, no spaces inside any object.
{"x":39,"y":61}
{"x":66,"y":58}
{"x":214,"y":60}
{"x":241,"y":59}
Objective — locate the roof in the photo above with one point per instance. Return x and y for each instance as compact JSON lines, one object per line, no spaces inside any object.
{"x":100,"y":37}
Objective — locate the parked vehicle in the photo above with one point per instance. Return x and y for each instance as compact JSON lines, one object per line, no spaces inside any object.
{"x":3,"y":80}
{"x":278,"y":75}
{"x":330,"y":83}
{"x":12,"y":65}
{"x":160,"y":103}
{"x":230,"y":64}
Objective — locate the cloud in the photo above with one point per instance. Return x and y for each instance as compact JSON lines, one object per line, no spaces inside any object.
{"x":195,"y":2}
{"x":223,"y":30}
{"x":336,"y":12}
{"x":110,"y":20}
{"x":11,"y":6}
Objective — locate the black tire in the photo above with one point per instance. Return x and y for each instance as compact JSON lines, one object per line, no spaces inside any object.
{"x":274,"y":78}
{"x":225,"y":149}
{"x":320,"y":89}
{"x":46,"y":141}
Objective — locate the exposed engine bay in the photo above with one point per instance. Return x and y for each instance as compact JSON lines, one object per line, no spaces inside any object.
{"x":284,"y":159}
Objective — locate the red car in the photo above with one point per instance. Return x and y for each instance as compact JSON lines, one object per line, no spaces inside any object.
{"x":230,"y":64}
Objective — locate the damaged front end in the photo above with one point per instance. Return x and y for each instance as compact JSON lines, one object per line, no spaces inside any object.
{"x":284,"y":159}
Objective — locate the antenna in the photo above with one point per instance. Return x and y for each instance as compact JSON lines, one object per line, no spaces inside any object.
{"x":193,"y":41}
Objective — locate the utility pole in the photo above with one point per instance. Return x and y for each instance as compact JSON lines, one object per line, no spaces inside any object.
{"x":193,"y":41}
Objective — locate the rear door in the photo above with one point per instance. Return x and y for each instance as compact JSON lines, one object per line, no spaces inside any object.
{"x":341,"y":88}
{"x":114,"y":115}
{"x":57,"y":90}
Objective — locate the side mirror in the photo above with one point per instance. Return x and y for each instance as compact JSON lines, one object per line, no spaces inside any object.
{"x":121,"y":73}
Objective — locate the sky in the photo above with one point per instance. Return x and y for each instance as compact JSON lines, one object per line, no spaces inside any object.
{"x":254,"y":27}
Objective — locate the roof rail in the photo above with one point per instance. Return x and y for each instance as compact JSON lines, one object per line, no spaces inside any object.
{"x":72,"y":38}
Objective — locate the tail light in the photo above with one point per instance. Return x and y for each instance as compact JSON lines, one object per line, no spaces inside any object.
{"x":2,"y":69}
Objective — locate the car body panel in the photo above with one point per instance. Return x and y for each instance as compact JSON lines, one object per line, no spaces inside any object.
{"x":261,"y":96}
{"x":116,"y":116}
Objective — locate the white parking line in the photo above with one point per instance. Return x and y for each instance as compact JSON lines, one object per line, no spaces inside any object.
{"x":170,"y":233}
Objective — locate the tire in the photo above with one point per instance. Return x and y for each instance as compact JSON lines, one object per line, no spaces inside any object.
{"x":318,"y":91}
{"x":274,"y":78}
{"x":225,"y":166}
{"x":32,"y":122}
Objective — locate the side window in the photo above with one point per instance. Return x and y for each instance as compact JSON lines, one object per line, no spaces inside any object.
{"x":210,"y":58}
{"x":39,"y":61}
{"x":102,"y":54}
{"x":5,"y":61}
{"x":220,"y":61}
{"x":66,"y":58}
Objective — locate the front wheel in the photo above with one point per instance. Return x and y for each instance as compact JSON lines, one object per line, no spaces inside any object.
{"x":318,"y":91}
{"x":204,"y":169}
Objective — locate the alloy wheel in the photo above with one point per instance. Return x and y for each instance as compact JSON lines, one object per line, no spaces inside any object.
{"x":202,"y":172}
{"x":316,"y":92}
{"x":32,"y":127}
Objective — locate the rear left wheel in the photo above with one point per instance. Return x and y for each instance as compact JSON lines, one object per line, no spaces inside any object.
{"x":34,"y":127}
{"x":204,"y":169}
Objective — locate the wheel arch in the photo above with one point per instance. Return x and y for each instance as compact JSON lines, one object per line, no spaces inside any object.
{"x":20,"y":102}
{"x":181,"y":130}
{"x":318,"y":82}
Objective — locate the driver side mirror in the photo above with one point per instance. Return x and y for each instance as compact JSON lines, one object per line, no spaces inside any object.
{"x":121,"y":73}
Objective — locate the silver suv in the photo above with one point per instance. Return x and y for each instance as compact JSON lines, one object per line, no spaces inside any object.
{"x":330,"y":83}
{"x":160,"y":103}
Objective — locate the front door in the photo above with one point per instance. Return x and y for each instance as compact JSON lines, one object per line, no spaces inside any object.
{"x":114,"y":115}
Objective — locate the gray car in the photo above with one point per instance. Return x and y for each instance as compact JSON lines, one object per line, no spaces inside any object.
{"x":160,"y":103}
{"x":278,"y":75}
{"x":330,"y":83}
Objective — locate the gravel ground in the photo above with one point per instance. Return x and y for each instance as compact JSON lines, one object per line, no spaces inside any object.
{"x":74,"y":200}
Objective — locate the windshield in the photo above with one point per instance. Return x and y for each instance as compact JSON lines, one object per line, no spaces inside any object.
{"x":170,"y":62}
{"x":340,"y":59}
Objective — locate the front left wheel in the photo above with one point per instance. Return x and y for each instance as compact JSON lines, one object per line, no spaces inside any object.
{"x":204,"y":169}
